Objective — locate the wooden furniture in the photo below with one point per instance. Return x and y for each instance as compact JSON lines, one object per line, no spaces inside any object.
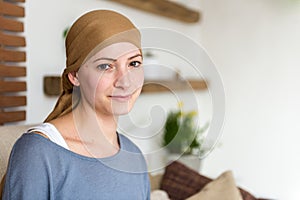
{"x":164,"y":8}
{"x":12,"y":58}
{"x":173,"y":85}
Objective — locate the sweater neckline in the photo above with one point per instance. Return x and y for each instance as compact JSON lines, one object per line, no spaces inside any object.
{"x":77,"y":155}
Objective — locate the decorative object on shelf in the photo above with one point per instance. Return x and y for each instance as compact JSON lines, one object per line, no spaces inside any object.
{"x":154,"y":71}
{"x":160,"y":78}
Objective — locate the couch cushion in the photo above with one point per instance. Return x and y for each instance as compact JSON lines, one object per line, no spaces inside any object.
{"x":155,"y":181}
{"x":221,"y":188}
{"x":8,"y":136}
{"x":181,"y":182}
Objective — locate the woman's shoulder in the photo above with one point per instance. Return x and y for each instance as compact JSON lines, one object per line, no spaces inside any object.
{"x":31,"y":138}
{"x":31,"y":141}
{"x":30,"y":144}
{"x":127,"y":144}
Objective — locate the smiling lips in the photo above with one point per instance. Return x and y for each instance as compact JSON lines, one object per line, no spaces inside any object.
{"x":121,"y":98}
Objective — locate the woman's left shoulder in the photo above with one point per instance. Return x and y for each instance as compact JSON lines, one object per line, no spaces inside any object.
{"x":127,"y":144}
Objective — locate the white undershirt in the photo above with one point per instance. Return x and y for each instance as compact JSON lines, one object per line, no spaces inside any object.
{"x":51,"y":132}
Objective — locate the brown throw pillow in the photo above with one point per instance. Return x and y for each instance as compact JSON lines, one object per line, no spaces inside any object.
{"x":246,"y":195}
{"x":181,"y":182}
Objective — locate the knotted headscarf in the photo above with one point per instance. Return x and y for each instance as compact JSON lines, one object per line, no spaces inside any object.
{"x":89,"y":34}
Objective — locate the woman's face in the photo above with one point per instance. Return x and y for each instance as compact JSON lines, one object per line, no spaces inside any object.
{"x":112,"y":79}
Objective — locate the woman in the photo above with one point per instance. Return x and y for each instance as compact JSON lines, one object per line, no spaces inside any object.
{"x":77,"y":153}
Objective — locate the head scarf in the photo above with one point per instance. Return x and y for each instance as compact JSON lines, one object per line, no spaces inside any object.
{"x":89,"y":34}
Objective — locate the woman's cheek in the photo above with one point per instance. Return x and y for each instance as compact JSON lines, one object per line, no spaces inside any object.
{"x":137,"y":77}
{"x":103,"y":83}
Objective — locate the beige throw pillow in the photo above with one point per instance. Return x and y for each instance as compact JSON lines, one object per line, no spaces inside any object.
{"x":155,"y":181}
{"x":221,"y":188}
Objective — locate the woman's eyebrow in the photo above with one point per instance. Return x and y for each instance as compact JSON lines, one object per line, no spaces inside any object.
{"x":113,"y":60}
{"x":137,"y":55}
{"x":105,"y":58}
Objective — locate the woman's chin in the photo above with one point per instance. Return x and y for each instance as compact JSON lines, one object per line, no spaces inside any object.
{"x":121,"y":109}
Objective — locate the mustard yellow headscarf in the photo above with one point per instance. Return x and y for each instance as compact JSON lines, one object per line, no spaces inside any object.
{"x":90,"y":33}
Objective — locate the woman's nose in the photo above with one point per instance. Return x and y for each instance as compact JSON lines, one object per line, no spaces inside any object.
{"x":123,"y":79}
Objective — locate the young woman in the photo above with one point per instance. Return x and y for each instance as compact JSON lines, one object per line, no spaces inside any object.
{"x":78,"y":153}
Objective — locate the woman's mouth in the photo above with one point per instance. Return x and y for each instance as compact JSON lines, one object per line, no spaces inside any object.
{"x":121,"y":98}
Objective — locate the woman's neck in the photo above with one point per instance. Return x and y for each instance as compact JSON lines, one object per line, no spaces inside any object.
{"x":89,"y":133}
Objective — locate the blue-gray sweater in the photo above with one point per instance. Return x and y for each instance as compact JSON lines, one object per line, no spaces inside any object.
{"x":40,"y":169}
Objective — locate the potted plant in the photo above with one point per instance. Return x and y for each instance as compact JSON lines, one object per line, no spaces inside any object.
{"x":182,"y":137}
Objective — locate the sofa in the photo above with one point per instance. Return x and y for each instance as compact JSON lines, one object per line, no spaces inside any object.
{"x":177,"y":182}
{"x":180,"y":182}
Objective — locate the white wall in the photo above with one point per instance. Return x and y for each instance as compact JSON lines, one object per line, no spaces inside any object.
{"x":255,"y":46}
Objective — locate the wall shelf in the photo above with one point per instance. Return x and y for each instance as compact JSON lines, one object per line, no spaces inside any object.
{"x":173,"y":85}
{"x":52,"y":86}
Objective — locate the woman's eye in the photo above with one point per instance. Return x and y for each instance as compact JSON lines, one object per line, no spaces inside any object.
{"x":104,"y":66}
{"x":135,"y":63}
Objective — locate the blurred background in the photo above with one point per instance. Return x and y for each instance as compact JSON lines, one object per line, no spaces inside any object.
{"x":254,"y":45}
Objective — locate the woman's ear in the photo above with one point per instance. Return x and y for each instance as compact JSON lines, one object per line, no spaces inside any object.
{"x":73,"y":77}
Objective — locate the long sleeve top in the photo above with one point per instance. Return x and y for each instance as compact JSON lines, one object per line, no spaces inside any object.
{"x":41,"y":169}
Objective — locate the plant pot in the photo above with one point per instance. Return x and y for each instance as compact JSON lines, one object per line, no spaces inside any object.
{"x":191,"y":161}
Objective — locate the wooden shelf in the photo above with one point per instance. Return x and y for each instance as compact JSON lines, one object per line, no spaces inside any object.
{"x":173,"y":85}
{"x":52,"y":85}
{"x":164,"y":8}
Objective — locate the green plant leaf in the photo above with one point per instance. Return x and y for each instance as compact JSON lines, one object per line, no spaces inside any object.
{"x":180,"y":133}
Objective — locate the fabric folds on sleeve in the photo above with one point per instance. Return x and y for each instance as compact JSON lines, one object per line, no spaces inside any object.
{"x":28,"y":172}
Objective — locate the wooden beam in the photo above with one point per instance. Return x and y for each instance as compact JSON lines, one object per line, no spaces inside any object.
{"x":11,"y":101}
{"x":12,"y":116}
{"x":12,"y":40}
{"x":11,"y":9}
{"x":11,"y":25}
{"x":12,"y":71}
{"x":12,"y":86}
{"x":12,"y":56}
{"x":164,"y":8}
